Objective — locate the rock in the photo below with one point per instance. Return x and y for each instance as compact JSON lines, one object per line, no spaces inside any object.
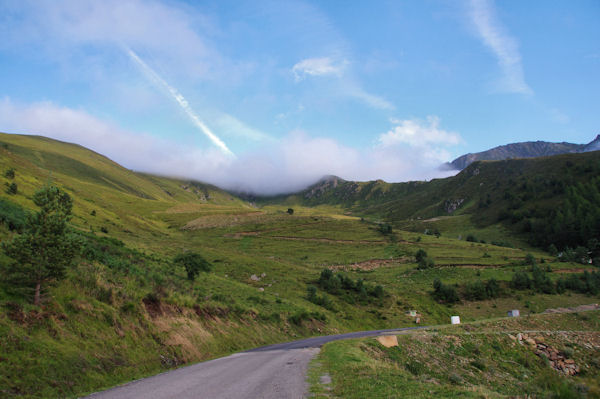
{"x":530,"y":341}
{"x":452,"y":204}
{"x":570,"y":361}
{"x":539,"y":339}
{"x":520,"y":337}
{"x":261,"y":289}
{"x":254,"y":277}
{"x":388,"y":340}
{"x":512,"y":337}
{"x":263,"y":275}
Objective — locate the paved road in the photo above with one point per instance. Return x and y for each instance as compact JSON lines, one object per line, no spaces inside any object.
{"x":269,"y":372}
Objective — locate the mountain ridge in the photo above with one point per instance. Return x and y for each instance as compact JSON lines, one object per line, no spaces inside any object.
{"x":526,"y":149}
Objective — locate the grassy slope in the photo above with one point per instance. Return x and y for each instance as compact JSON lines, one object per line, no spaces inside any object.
{"x":471,"y":361}
{"x":133,"y":313}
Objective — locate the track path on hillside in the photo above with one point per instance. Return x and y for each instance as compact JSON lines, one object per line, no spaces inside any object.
{"x":269,"y":372}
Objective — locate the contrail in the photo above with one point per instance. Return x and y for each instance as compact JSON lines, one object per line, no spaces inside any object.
{"x":155,"y":78}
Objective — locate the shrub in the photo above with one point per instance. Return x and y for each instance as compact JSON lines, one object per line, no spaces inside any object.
{"x":298,"y":317}
{"x":492,"y":288}
{"x":12,"y":188}
{"x":455,"y":379}
{"x":520,"y":281}
{"x":475,"y":291}
{"x":12,"y":215}
{"x":425,"y":263}
{"x":541,"y":282}
{"x":193,"y":263}
{"x":478,"y":364}
{"x":129,"y":307}
{"x":415,"y":367}
{"x":9,"y":173}
{"x":420,"y":255}
{"x":378,"y":291}
{"x":444,"y":293}
{"x":385,"y":228}
{"x":530,"y":260}
{"x":351,"y":290}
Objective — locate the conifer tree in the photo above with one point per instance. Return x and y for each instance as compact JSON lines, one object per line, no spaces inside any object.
{"x":47,"y":246}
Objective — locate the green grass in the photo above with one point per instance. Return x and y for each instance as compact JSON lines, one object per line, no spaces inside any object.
{"x":479,"y":360}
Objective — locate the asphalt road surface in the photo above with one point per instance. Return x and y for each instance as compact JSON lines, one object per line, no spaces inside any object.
{"x":274,"y":371}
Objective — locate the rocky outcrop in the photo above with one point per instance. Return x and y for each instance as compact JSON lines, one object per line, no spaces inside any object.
{"x":558,"y":360}
{"x":452,"y":205}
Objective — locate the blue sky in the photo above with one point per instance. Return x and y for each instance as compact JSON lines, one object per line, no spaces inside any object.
{"x":268,"y":96}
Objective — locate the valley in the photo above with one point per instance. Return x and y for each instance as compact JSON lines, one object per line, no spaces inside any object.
{"x":345,"y":258}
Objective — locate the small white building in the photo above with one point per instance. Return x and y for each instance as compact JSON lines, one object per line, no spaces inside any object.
{"x":455,"y":319}
{"x":513,"y":313}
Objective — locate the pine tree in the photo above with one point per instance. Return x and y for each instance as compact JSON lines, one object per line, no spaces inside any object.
{"x":47,"y":246}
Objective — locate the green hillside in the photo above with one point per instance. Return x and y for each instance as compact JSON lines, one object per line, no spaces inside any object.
{"x":541,"y":201}
{"x":127,"y":309}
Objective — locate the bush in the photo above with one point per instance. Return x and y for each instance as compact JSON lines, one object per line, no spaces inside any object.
{"x":420,"y":255}
{"x":475,"y":291}
{"x":298,"y":317}
{"x":530,"y":260}
{"x":351,"y":290}
{"x":193,"y":263}
{"x":444,"y":293}
{"x":415,"y":367}
{"x":541,"y":282}
{"x":492,"y":288}
{"x":385,"y":228}
{"x":12,"y":188}
{"x":324,"y":301}
{"x":520,"y":281}
{"x":425,"y":263}
{"x":9,"y":173}
{"x":12,"y":215}
{"x":471,"y":238}
{"x":455,"y":379}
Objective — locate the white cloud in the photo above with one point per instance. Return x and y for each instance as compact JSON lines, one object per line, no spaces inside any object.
{"x":169,"y":32}
{"x":134,"y":150}
{"x":231,"y":126}
{"x":370,"y":99}
{"x":504,"y":46}
{"x":287,"y":165}
{"x":418,"y":133}
{"x":318,"y":67}
{"x":347,"y":85}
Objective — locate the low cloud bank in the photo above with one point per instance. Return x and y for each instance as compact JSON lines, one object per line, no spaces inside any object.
{"x":287,"y":165}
